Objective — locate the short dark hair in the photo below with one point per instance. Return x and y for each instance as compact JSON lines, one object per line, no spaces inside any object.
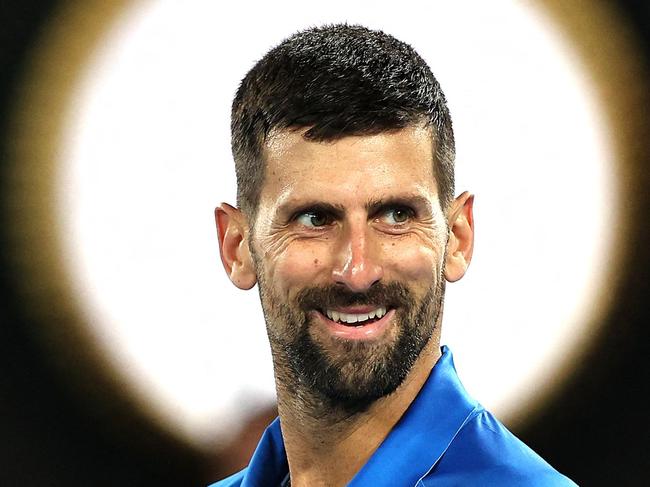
{"x":337,"y":80}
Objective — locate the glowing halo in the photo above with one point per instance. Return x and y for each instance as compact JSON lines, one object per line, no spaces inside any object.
{"x":134,"y":154}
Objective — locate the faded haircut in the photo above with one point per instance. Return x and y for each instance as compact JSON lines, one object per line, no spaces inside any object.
{"x":337,"y":80}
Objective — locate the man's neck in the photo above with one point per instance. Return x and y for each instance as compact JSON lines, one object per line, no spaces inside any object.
{"x":329,"y":448}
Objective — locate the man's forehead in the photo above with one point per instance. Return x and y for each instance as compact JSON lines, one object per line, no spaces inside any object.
{"x":350,"y":171}
{"x":280,"y":142}
{"x":288,"y":154}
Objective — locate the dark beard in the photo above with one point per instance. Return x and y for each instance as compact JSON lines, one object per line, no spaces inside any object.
{"x":361,"y":372}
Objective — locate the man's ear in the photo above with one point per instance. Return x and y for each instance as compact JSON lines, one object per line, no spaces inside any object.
{"x":232,"y":230}
{"x":461,"y":237}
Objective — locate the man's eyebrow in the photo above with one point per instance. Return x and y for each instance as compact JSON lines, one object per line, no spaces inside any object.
{"x":295,"y":207}
{"x":291,"y":208}
{"x":415,"y":201}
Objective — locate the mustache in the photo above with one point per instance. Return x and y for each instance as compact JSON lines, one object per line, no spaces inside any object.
{"x":391,"y":295}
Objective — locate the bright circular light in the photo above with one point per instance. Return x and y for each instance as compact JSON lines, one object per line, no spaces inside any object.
{"x":147,"y":157}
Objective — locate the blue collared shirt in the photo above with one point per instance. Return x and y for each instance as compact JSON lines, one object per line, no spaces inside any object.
{"x":445,"y":438}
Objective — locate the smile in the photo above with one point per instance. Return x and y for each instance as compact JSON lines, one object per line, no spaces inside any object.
{"x":352,"y":318}
{"x":357,"y":323}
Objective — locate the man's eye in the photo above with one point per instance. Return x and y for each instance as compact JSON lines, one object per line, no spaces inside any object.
{"x":397,"y":216}
{"x":313,"y":219}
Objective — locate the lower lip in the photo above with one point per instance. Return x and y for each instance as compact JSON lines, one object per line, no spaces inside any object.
{"x":365,"y":332}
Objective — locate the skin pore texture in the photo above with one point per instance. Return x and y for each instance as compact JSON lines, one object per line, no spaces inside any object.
{"x":355,"y":227}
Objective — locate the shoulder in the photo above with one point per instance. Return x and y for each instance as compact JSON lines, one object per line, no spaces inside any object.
{"x":485,"y":452}
{"x":232,"y":481}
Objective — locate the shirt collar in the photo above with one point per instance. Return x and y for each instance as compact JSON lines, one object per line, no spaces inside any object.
{"x":268,"y":465}
{"x":410,"y":450}
{"x":425,"y":431}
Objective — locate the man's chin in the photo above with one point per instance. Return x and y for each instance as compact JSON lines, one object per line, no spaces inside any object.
{"x":352,"y":374}
{"x":356,"y":394}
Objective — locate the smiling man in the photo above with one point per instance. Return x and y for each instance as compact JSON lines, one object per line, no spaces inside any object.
{"x":348,"y":223}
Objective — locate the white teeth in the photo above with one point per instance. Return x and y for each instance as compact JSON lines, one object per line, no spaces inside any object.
{"x":354,"y":318}
{"x":349,"y":318}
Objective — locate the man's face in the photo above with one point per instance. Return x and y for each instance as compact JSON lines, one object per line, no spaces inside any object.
{"x":346,"y":230}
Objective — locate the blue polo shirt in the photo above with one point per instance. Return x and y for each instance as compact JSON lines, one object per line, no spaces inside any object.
{"x":445,"y":438}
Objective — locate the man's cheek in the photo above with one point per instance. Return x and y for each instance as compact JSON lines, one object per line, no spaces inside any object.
{"x":300,"y":266}
{"x":416,"y":263}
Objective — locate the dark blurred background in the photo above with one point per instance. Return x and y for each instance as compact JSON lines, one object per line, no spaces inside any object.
{"x":596,"y":432}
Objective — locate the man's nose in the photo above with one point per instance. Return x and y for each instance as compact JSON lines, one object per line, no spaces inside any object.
{"x":357,"y":263}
